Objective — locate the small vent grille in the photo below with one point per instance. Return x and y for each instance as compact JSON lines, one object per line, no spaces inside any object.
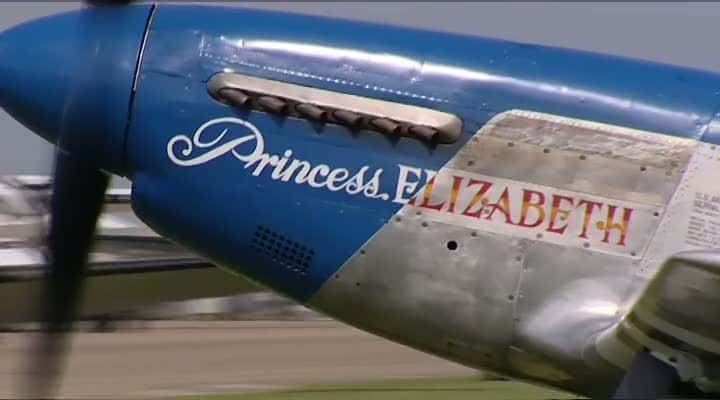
{"x":288,"y":253}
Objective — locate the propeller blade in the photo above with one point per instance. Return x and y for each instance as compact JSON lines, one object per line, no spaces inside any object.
{"x":78,"y":193}
{"x":88,"y":60}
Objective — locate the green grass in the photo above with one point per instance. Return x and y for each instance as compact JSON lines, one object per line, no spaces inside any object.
{"x":465,"y":388}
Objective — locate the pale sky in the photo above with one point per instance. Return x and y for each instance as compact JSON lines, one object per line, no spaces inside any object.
{"x":678,"y":33}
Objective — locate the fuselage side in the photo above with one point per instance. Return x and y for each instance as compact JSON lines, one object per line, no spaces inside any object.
{"x":324,"y":214}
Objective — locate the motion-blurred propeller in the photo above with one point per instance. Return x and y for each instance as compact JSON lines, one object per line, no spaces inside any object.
{"x":77,"y":199}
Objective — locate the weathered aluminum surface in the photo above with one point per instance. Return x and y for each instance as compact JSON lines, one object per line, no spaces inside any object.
{"x":675,"y":308}
{"x":676,"y":318}
{"x":583,"y":156}
{"x":407,"y":284}
{"x":535,"y":272}
{"x":692,"y":218}
{"x":539,"y":212}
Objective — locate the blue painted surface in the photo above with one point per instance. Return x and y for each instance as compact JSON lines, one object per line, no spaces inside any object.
{"x":71,"y":75}
{"x":476,"y":73}
{"x":215,"y":208}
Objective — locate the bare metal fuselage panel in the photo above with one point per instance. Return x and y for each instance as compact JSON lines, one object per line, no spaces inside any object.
{"x":536,"y":238}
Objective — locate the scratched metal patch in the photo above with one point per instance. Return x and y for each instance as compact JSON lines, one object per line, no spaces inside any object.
{"x":537,"y":212}
{"x":692,"y":217}
{"x":583,"y":156}
{"x":559,"y":180}
{"x":534,"y":229}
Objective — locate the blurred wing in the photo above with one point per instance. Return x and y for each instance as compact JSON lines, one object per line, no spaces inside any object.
{"x":124,"y":273}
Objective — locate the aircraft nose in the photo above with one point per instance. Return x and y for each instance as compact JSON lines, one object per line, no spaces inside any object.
{"x":69,"y":77}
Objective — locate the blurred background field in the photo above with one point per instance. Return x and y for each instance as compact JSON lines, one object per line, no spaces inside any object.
{"x":161,"y":359}
{"x":459,"y":388}
{"x":252,"y":346}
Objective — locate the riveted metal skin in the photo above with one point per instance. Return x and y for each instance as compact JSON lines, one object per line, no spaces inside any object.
{"x":592,"y":158}
{"x":674,"y":305}
{"x":537,"y":271}
{"x":549,"y":245}
{"x":474,"y":281}
{"x":537,"y":236}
